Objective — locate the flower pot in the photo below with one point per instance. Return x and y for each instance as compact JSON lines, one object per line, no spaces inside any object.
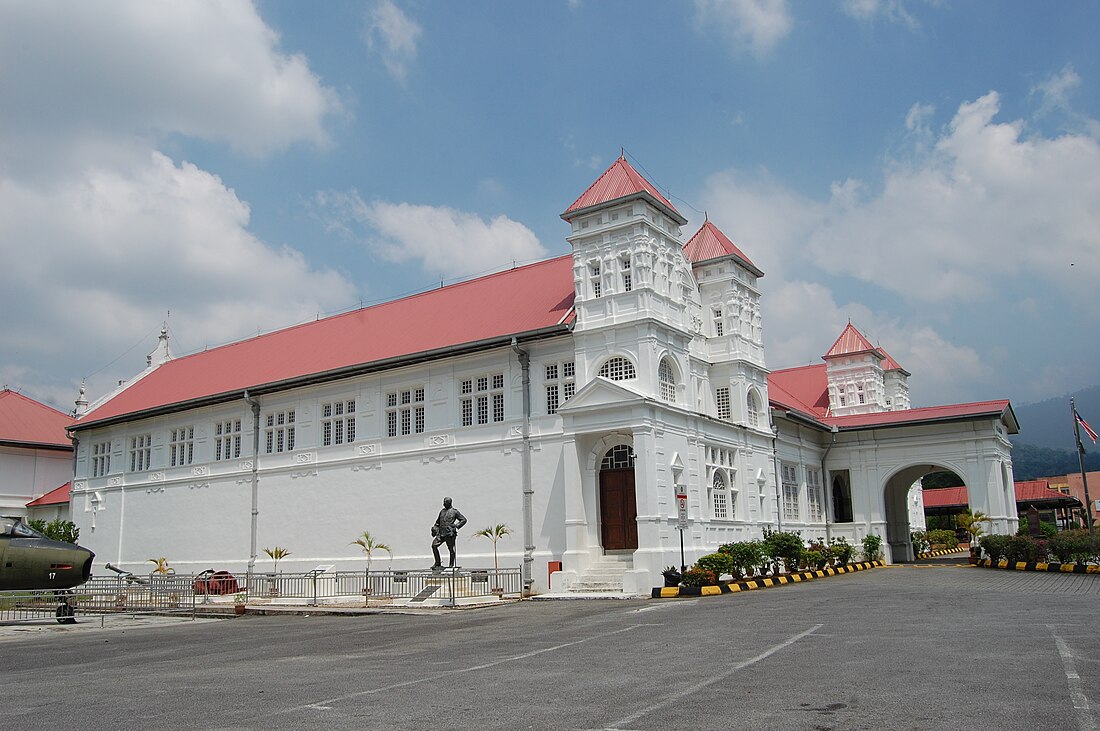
{"x":239,"y":608}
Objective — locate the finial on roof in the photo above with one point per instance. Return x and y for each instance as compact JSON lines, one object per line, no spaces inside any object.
{"x":622,"y":153}
{"x":81,"y":401}
{"x":705,"y":217}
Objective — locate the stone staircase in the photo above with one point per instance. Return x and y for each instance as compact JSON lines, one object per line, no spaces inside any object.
{"x":605,"y":576}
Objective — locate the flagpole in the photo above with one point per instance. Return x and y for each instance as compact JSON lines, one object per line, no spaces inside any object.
{"x":1081,"y":461}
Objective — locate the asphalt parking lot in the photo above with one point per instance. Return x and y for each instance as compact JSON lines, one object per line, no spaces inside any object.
{"x":931,"y":647}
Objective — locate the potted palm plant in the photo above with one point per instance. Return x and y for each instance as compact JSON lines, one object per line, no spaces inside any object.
{"x":494,"y":533}
{"x":276,"y":554}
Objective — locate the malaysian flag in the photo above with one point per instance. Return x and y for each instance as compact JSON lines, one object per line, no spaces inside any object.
{"x":1085,"y":425}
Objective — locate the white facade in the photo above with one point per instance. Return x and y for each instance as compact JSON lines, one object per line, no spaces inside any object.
{"x":661,"y":387}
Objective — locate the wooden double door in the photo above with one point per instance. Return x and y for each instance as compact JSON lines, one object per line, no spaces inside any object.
{"x":618,"y":510}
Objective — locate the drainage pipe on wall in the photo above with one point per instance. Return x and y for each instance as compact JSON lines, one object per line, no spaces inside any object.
{"x":525,"y":455}
{"x":825,"y":496}
{"x":255,"y":478}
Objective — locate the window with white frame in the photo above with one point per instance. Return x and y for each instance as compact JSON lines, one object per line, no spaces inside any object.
{"x":814,"y":501}
{"x":482,"y":397}
{"x":718,"y":495}
{"x":790,"y":492}
{"x":859,"y":392}
{"x":666,"y":381}
{"x":719,"y":325}
{"x":594,"y":277}
{"x":405,"y":412}
{"x":181,"y":446}
{"x":337,"y":422}
{"x":227,"y":440}
{"x":560,"y":384}
{"x":279,"y":432}
{"x":141,"y":452}
{"x":722,"y":400}
{"x":723,"y":481}
{"x":628,"y":279}
{"x":753,"y":409}
{"x":618,"y":369}
{"x":101,"y":458}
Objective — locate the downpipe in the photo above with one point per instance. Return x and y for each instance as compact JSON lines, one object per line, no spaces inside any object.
{"x":255,"y":405}
{"x":525,"y":456}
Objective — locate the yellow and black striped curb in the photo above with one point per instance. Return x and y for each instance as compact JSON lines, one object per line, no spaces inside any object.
{"x":944,"y":552}
{"x":671,"y":592}
{"x":1054,"y":568}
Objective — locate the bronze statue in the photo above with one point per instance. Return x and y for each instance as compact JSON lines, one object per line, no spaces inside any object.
{"x":445,"y":530}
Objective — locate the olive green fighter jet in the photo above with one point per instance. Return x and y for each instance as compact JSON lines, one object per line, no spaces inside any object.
{"x":29,"y":561}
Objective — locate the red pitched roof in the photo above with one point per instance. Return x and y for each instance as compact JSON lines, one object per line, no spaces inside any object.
{"x":1027,"y":491}
{"x":889,"y":364}
{"x":28,"y":422}
{"x":528,"y":299}
{"x":620,"y":181}
{"x":805,"y":390}
{"x":710,"y":243}
{"x":851,"y":342}
{"x":57,"y":496}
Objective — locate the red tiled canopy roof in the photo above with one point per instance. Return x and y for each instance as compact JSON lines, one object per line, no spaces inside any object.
{"x":710,"y":243}
{"x":620,"y":181}
{"x":1027,"y":491}
{"x":526,"y":300}
{"x":57,"y":496}
{"x":24,"y":421}
{"x":851,"y":342}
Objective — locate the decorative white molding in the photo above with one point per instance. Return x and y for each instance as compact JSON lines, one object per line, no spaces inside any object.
{"x":367,"y":450}
{"x":80,"y":486}
{"x":366,"y":467}
{"x":438,"y":440}
{"x":200,"y":470}
{"x":152,"y":490}
{"x":439,"y":457}
{"x":246,"y":465}
{"x":198,"y":485}
{"x":156,"y":476}
{"x":307,"y":473}
{"x":303,"y":457}
{"x":114,"y":481}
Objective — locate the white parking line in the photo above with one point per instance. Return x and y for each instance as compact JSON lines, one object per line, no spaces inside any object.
{"x":618,"y":725}
{"x":1085,"y":719}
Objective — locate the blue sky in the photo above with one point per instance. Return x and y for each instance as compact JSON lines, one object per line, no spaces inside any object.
{"x":929,"y":170}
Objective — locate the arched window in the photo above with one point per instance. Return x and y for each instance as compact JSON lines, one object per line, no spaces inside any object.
{"x":753,"y":411}
{"x":618,"y":369}
{"x":620,"y":457}
{"x":666,"y":379}
{"x":718,"y":495}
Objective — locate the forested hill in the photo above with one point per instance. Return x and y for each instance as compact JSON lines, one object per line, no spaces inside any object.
{"x":1045,"y":447}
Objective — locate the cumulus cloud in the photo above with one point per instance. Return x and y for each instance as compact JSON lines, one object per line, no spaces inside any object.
{"x":984,"y":221}
{"x":101,"y":234}
{"x":443,"y":240}
{"x":755,"y":25}
{"x":393,"y":36}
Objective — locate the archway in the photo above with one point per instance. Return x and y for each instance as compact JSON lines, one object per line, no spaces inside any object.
{"x":899,"y":502}
{"x":618,"y":503}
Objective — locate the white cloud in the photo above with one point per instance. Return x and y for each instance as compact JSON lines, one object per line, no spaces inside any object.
{"x":756,"y":25}
{"x":208,"y":70}
{"x":393,"y":35}
{"x":986,"y":230}
{"x":445,"y":242}
{"x":100,"y":233}
{"x":870,"y":10}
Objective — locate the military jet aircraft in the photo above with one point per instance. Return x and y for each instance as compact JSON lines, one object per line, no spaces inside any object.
{"x":29,"y":561}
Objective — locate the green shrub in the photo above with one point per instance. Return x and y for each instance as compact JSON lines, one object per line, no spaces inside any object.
{"x":699,"y":577}
{"x":813,"y":559}
{"x":872,"y":547}
{"x":842,"y":550}
{"x":1069,"y":545}
{"x":946,"y":538}
{"x":717,"y":563}
{"x":785,"y":545}
{"x":995,"y":547}
{"x":58,"y":530}
{"x":746,"y":556}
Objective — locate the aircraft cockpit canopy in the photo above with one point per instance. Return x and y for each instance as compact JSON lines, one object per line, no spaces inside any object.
{"x":16,"y":528}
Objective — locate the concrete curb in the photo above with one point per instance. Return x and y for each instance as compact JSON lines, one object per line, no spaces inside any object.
{"x":734,"y":587}
{"x":944,"y":552}
{"x":1054,"y":568}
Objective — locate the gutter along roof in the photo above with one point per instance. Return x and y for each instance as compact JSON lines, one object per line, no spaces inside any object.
{"x":535,"y":300}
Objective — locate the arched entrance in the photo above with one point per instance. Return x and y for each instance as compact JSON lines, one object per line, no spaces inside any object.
{"x":618,"y":506}
{"x":897,"y":496}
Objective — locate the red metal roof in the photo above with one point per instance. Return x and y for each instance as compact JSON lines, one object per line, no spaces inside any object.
{"x":1027,"y":491}
{"x":57,"y":496}
{"x":523,"y":300}
{"x":803,"y":389}
{"x":26,"y":421}
{"x":851,"y":342}
{"x":889,"y":364}
{"x":620,"y":180}
{"x":710,"y":243}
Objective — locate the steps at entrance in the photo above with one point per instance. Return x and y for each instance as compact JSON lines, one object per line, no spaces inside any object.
{"x":605,"y":576}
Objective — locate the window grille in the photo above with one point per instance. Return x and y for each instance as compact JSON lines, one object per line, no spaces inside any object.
{"x":227,"y":440}
{"x":141,"y":452}
{"x":667,"y":381}
{"x":618,"y":369}
{"x":279,"y":432}
{"x":476,"y":403}
{"x":338,"y":422}
{"x":181,"y":446}
{"x":405,"y":412}
{"x":722,"y":399}
{"x":101,"y":459}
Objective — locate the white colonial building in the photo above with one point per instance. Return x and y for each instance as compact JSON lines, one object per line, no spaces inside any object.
{"x":36,"y":459}
{"x":571,"y":399}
